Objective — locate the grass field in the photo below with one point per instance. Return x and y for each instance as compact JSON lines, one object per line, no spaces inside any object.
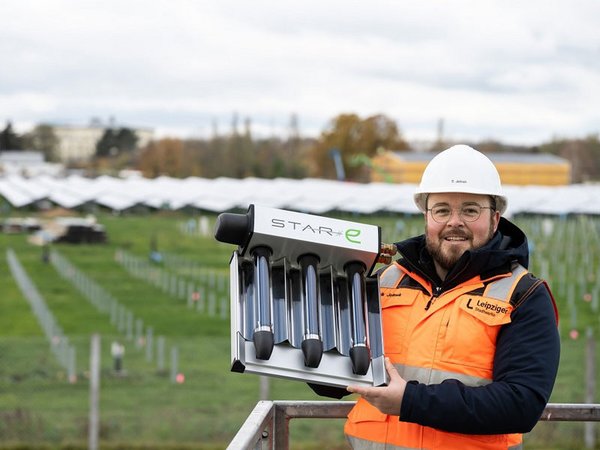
{"x":39,"y":408}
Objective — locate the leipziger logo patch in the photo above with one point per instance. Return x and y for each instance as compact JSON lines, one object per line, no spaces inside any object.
{"x":486,"y":309}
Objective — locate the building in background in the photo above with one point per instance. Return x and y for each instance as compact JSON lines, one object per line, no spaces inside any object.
{"x":78,"y":143}
{"x":519,"y":169}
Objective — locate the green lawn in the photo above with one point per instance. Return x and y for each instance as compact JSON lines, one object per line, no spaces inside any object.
{"x":39,"y":408}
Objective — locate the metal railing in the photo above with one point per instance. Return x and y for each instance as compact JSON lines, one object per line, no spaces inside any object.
{"x":268,"y":423}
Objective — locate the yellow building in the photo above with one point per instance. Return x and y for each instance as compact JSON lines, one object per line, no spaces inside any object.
{"x":514,"y":168}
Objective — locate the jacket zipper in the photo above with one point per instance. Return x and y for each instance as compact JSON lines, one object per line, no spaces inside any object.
{"x":433,"y":298}
{"x":438,"y":291}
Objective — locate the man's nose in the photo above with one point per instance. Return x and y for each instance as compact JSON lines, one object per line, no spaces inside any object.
{"x":455,"y":217}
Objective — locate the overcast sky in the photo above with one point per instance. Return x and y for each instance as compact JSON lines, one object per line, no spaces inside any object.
{"x":520,"y":72}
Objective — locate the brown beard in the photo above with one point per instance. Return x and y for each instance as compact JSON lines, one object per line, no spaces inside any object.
{"x":446,"y":260}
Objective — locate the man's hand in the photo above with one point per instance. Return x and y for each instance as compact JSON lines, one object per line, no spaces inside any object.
{"x":386,"y":399}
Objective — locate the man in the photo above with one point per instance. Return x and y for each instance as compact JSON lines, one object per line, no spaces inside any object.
{"x":470,"y":337}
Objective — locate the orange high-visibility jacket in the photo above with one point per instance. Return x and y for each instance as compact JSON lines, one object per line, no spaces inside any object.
{"x":451,"y":337}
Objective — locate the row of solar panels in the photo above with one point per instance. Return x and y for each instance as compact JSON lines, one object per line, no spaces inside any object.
{"x":307,"y":195}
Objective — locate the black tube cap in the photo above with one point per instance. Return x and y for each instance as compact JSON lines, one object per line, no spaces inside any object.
{"x":361,"y":359}
{"x":313,"y":352}
{"x":232,"y":228}
{"x":263,"y":344}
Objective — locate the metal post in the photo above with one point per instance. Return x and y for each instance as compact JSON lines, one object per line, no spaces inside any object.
{"x":129,"y":331}
{"x":71,"y":364}
{"x":264,"y":387}
{"x":250,"y":434}
{"x":149,"y":344}
{"x":174,"y":364}
{"x":94,"y":427}
{"x":139,"y":330}
{"x":590,"y":386}
{"x":160,"y":353}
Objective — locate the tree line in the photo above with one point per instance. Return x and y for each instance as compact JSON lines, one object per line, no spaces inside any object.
{"x":343,"y":149}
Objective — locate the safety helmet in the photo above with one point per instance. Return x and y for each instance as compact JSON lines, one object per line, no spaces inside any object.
{"x":460,"y":169}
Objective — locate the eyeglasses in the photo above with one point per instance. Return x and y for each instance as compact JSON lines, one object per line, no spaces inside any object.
{"x":468,"y":213}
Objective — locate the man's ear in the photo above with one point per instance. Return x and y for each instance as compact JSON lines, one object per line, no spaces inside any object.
{"x":496,"y":220}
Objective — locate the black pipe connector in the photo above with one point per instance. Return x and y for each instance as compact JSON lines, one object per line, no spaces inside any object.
{"x":233,"y":228}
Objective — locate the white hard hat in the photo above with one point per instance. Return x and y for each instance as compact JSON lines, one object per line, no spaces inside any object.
{"x":460,"y":169}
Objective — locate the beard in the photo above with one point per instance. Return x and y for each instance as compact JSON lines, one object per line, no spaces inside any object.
{"x":448,"y":256}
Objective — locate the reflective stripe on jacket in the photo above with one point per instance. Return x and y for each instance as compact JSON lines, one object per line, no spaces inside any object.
{"x":430,"y":339}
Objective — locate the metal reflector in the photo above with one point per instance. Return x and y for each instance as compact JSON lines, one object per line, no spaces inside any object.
{"x":304,"y":305}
